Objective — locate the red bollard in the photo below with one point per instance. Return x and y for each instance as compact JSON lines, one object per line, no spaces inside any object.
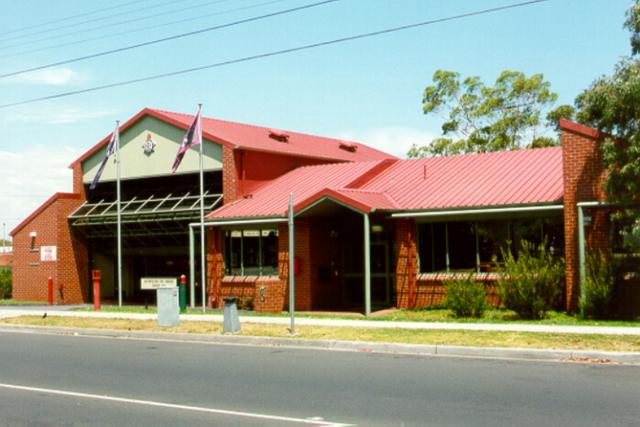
{"x":50,"y":291}
{"x":95,"y":274}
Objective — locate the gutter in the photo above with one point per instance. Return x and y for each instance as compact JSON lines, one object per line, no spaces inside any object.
{"x":454,"y":212}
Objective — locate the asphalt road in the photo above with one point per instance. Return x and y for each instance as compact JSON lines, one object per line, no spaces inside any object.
{"x":72,"y":380}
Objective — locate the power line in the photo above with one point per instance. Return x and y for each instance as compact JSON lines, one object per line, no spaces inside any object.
{"x":164,"y":24}
{"x":102,"y":18}
{"x":165,"y":39}
{"x":55,"y":21}
{"x":275,"y":53}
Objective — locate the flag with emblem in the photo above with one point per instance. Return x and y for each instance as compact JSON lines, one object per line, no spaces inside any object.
{"x":191,"y":138}
{"x":111,"y":149}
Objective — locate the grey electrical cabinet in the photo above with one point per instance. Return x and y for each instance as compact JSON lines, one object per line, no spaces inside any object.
{"x":168,"y":306}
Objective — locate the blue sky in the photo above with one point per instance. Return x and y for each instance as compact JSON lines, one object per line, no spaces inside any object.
{"x":368,"y":90}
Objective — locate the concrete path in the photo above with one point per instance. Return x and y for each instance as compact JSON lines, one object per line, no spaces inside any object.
{"x":218,"y":318}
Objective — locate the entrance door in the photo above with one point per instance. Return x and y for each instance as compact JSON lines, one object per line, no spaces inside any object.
{"x":380,"y":274}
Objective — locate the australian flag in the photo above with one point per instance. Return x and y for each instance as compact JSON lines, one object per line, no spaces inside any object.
{"x":111,"y":149}
{"x":191,"y":138}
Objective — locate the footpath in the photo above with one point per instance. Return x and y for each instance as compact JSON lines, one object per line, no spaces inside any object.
{"x":488,"y":352}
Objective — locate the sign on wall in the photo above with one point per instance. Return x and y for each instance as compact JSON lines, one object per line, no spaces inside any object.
{"x":48,"y":253}
{"x":158,"y":282}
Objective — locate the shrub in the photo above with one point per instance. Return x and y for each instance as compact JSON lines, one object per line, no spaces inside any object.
{"x":600,"y":280}
{"x":5,"y":283}
{"x":532,"y":282}
{"x":466,"y":297}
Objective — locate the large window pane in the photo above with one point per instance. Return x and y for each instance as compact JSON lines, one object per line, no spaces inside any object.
{"x":432,"y":247}
{"x":493,"y":237}
{"x":462,"y":246}
{"x":251,"y":252}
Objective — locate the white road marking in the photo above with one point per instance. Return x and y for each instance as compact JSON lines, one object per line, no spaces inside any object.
{"x":172,"y":405}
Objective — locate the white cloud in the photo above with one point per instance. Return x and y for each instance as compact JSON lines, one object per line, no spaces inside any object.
{"x":393,"y":140}
{"x":30,"y":177}
{"x":51,"y":76}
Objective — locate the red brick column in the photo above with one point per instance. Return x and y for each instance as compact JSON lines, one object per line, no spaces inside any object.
{"x":303,"y":252}
{"x":215,"y":266}
{"x":230,"y":178}
{"x":406,"y":264}
{"x":584,"y":177}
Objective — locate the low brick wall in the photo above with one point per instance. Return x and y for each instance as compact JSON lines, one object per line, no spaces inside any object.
{"x":264,"y":294}
{"x":431,"y":289}
{"x":271,"y":295}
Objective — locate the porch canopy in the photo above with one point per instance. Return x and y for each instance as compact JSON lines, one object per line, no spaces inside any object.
{"x":147,"y":216}
{"x":482,"y":184}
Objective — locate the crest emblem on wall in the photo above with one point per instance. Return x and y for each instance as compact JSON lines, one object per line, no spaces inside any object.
{"x":149,"y":145}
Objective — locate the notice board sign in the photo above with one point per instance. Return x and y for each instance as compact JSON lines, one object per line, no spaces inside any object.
{"x":150,"y":283}
{"x":48,"y":253}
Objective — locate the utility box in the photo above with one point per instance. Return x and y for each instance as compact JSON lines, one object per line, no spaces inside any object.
{"x":168,"y":306}
{"x":231,"y":323}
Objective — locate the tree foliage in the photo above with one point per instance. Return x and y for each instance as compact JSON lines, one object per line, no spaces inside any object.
{"x":612,"y":105}
{"x":481,"y":118}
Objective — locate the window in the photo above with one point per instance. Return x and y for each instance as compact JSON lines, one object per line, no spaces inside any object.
{"x":477,"y":245}
{"x":251,"y":252}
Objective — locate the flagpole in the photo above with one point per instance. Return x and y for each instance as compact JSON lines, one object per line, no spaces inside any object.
{"x":119,"y":216}
{"x":202,"y":236}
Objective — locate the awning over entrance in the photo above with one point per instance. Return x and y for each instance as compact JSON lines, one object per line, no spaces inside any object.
{"x":143,"y":216}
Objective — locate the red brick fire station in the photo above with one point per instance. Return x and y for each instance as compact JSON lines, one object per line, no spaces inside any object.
{"x":371,"y":231}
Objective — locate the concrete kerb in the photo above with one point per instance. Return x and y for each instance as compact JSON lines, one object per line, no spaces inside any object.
{"x":354,"y":346}
{"x":218,"y":318}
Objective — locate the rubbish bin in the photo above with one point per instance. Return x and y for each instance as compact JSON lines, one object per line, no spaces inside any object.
{"x":231,"y":323}
{"x":168,"y":308}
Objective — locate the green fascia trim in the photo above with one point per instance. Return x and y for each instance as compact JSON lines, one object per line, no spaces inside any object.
{"x":475,"y":213}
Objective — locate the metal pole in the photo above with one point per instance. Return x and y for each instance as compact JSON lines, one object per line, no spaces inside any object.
{"x":119,"y":213}
{"x":581,"y":259}
{"x":475,"y":230}
{"x":292,"y":254}
{"x":4,"y":234}
{"x":192,"y":269}
{"x":202,"y":236}
{"x":367,"y":267}
{"x":446,"y":245}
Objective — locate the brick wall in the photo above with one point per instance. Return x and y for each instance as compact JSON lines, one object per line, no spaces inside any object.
{"x":406,"y":264}
{"x":584,"y":176}
{"x":52,"y":229}
{"x":431,"y":289}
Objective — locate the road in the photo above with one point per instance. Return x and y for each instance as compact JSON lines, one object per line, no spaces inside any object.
{"x":74,"y":380}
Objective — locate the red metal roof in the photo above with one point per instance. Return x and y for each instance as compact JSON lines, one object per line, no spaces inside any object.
{"x":520,"y":177}
{"x":258,"y":138}
{"x":272,"y":199}
{"x":492,"y":179}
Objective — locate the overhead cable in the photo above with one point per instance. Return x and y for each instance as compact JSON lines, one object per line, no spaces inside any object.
{"x":68,"y":18}
{"x":165,"y":39}
{"x":146,"y":28}
{"x":274,"y":53}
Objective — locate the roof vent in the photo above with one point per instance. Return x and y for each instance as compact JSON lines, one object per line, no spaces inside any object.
{"x":348,"y":147}
{"x":278,"y":135}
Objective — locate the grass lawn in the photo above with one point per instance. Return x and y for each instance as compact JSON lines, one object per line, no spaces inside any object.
{"x":14,"y":302}
{"x":463,"y":338}
{"x":419,"y":315}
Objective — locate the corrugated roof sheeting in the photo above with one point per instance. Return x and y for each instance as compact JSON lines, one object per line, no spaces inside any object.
{"x":252,"y":137}
{"x":474,"y":180}
{"x":373,"y":199}
{"x":491,"y":179}
{"x":273,"y":198}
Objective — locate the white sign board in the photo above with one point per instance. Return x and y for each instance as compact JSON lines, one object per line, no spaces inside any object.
{"x":48,"y":253}
{"x":158,"y":282}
